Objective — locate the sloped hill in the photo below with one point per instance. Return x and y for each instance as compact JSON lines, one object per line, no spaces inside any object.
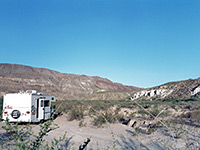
{"x":15,"y":77}
{"x":180,"y":89}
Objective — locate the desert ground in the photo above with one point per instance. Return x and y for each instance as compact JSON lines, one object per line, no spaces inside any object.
{"x":137,"y":131}
{"x":122,"y":135}
{"x":111,"y":135}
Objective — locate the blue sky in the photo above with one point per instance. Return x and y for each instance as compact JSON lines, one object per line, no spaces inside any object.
{"x":135,"y":42}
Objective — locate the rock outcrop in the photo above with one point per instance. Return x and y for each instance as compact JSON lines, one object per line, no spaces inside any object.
{"x":195,"y":91}
{"x":152,"y":94}
{"x":181,"y":89}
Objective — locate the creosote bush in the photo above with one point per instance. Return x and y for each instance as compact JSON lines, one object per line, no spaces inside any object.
{"x":82,"y":123}
{"x":154,"y":111}
{"x":99,"y":120}
{"x":106,"y":117}
{"x":76,"y":114}
{"x":142,"y":111}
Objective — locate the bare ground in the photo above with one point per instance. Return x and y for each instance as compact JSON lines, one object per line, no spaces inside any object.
{"x":118,"y":136}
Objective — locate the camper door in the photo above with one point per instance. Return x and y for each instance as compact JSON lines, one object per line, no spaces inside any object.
{"x":44,"y":109}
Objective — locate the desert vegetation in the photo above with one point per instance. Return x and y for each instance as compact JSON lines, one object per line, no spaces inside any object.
{"x":175,"y":120}
{"x":19,"y":136}
{"x":175,"y":108}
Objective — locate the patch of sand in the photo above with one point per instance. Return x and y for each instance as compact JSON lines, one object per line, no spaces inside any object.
{"x":119,"y":135}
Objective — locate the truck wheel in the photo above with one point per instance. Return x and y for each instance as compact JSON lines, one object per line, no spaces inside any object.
{"x":42,"y":121}
{"x":15,"y":114}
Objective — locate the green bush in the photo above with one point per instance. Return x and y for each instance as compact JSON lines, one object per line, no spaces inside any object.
{"x":142,"y":111}
{"x":24,"y":139}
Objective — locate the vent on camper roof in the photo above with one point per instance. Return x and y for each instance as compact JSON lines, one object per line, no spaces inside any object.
{"x":39,"y":93}
{"x":31,"y":91}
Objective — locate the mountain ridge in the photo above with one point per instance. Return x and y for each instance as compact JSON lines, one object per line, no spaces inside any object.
{"x":64,"y":86}
{"x":14,"y":77}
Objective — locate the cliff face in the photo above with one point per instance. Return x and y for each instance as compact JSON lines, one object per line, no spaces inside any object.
{"x":64,"y":86}
{"x":181,"y":89}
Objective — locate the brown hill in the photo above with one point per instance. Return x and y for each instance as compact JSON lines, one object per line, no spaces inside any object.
{"x":180,"y":89}
{"x":15,"y":77}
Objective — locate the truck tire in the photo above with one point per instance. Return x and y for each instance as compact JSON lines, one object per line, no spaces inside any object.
{"x":15,"y":114}
{"x":42,"y":121}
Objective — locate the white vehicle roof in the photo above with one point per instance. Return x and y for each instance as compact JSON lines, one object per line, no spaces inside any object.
{"x":30,"y":93}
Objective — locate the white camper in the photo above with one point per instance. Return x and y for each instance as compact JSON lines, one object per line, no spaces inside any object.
{"x":29,"y":106}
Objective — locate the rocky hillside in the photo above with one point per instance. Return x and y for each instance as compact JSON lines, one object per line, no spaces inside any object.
{"x":181,"y":89}
{"x":15,"y":77}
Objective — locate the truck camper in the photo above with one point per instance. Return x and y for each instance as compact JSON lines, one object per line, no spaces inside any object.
{"x":29,"y":106}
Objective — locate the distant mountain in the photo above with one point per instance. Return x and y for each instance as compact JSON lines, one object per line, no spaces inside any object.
{"x":180,"y":89}
{"x":63,"y":86}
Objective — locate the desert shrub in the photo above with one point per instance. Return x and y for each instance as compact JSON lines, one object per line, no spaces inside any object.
{"x":153,"y":127}
{"x":165,"y":114}
{"x":154,"y":111}
{"x":192,"y":116}
{"x":131,"y":115}
{"x":178,"y":132}
{"x":137,"y":130}
{"x":76,"y":113}
{"x":142,"y":111}
{"x":24,"y":139}
{"x":126,"y":104}
{"x":103,"y":118}
{"x":146,"y":106}
{"x":119,"y":117}
{"x":82,"y":123}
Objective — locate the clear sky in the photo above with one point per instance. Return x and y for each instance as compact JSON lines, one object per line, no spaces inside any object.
{"x":135,"y":42}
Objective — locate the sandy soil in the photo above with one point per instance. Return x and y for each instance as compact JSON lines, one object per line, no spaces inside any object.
{"x":122,"y":136}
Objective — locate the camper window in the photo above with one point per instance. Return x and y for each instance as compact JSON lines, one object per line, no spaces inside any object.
{"x":42,"y":103}
{"x":46,"y":103}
